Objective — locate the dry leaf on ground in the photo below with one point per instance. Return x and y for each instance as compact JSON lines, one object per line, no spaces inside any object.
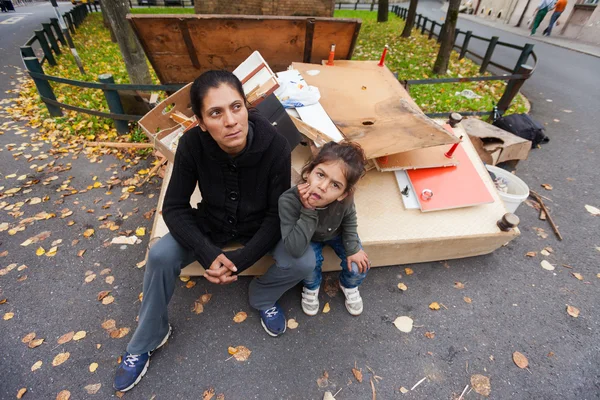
{"x":63,"y":395}
{"x":119,"y":333}
{"x":93,"y":367}
{"x":205,"y":298}
{"x":577,"y":275}
{"x":109,"y":324}
{"x":326,"y":308}
{"x":402,"y":286}
{"x":107,"y":300}
{"x":92,"y":389}
{"x":467,"y":300}
{"x":430,"y":335}
{"x":292,"y":324}
{"x":109,"y":279}
{"x":481,"y":384}
{"x":408,"y":271}
{"x":190,"y":284}
{"x":547,"y":266}
{"x":208,"y":394}
{"x":404,"y":324}
{"x":545,"y":253}
{"x":240,"y":317}
{"x":403,"y":390}
{"x":459,"y":285}
{"x":8,"y":316}
{"x":198,"y":308}
{"x":531,"y":254}
{"x":28,"y":338}
{"x":60,"y":358}
{"x":241,"y":353}
{"x":79,"y":335}
{"x":434,"y":306}
{"x":184,"y":278}
{"x":592,"y":210}
{"x":88,"y":233}
{"x":141,"y":231}
{"x":35,"y":343}
{"x":102,"y":295}
{"x":520,"y":360}
{"x":90,"y":278}
{"x":21,"y":392}
{"x":547,"y":186}
{"x":572,"y":311}
{"x":323,"y":381}
{"x":37,"y":365}
{"x":357,"y":374}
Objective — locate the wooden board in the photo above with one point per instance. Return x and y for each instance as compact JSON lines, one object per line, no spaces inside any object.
{"x":371,"y":108}
{"x":390,"y":234}
{"x":430,"y":157}
{"x":181,"y":47}
{"x":495,"y":145}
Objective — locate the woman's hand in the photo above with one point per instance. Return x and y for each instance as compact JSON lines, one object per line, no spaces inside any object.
{"x":304,"y":192}
{"x":362,"y":261}
{"x":221,"y":271}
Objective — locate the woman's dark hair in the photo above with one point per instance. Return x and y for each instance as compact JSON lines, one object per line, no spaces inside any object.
{"x":209,"y":80}
{"x":350,"y":153}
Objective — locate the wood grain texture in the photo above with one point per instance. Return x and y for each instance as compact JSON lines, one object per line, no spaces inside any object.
{"x":430,"y":157}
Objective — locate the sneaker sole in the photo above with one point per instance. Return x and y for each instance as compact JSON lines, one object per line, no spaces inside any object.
{"x":352,"y":312}
{"x":164,"y":341}
{"x":139,"y":378}
{"x":271,"y":333}
{"x":311,"y":313}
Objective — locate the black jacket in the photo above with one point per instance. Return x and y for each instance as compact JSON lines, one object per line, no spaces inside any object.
{"x":239,"y":194}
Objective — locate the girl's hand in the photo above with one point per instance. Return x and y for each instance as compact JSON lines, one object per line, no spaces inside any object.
{"x":362,"y":261}
{"x":304,"y":192}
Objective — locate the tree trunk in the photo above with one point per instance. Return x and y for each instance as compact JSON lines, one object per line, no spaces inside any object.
{"x":382,"y":11}
{"x":106,"y":24}
{"x":410,"y":18}
{"x":447,"y":34}
{"x":132,"y":51}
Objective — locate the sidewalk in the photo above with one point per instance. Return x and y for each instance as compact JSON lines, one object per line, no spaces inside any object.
{"x":572,"y":44}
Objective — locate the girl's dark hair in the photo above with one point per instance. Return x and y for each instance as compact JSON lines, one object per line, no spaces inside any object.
{"x":350,"y":153}
{"x":209,"y":80}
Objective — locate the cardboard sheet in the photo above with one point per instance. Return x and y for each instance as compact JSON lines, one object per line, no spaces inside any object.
{"x":430,"y":157}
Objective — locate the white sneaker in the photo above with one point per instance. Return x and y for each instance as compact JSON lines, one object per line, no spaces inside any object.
{"x":310,"y":301}
{"x":354,"y":303}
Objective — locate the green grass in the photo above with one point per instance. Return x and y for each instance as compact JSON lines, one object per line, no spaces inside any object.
{"x":413,"y":58}
{"x":162,"y":10}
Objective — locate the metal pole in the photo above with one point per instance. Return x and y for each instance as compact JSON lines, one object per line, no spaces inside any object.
{"x":70,"y":22}
{"x":66,"y":35}
{"x":513,"y":87}
{"x":456,"y":33}
{"x":27,"y":51}
{"x":51,"y":38}
{"x":433,"y":23}
{"x":425,"y":20}
{"x":488,"y":54}
{"x":59,"y":34}
{"x":465,"y":45}
{"x":114,"y":103}
{"x":527,"y":50}
{"x":43,"y":87}
{"x":44,"y":45}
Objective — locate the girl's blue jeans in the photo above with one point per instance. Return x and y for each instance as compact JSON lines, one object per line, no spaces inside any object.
{"x":348,"y":279}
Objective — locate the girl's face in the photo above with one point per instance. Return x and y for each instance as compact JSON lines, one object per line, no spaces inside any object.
{"x":327,"y":183}
{"x":225,"y":118}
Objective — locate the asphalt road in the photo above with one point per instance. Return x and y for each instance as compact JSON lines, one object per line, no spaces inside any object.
{"x":516,"y":305}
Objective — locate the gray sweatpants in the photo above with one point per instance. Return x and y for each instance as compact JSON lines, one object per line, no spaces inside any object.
{"x":165,"y":260}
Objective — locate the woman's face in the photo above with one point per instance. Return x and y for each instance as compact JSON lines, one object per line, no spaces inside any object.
{"x":225,"y":118}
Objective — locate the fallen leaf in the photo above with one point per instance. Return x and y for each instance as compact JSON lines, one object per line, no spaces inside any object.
{"x":93,"y":367}
{"x":520,"y":360}
{"x":109,"y":279}
{"x":242,"y":353}
{"x":547,"y":186}
{"x":240,"y":317}
{"x":198,"y":308}
{"x":88,"y":233}
{"x":92,"y":389}
{"x":28,"y":338}
{"x":208,"y":394}
{"x":35,"y":343}
{"x":22,"y":278}
{"x":357,"y":374}
{"x":141,"y":231}
{"x":323,"y":381}
{"x":221,"y":396}
{"x":467,"y":300}
{"x":109,"y":324}
{"x":102,"y":294}
{"x":190,"y":284}
{"x":592,"y":210}
{"x":119,"y":394}
{"x":403,"y":390}
{"x":404,"y":324}
{"x":8,"y":316}
{"x":402,"y":286}
{"x":63,"y":395}
{"x":205,"y":298}
{"x":546,"y":265}
{"x":67,"y":337}
{"x":572,"y":311}
{"x":328,"y":396}
{"x":549,"y":249}
{"x":292,"y":324}
{"x":107,"y":300}
{"x":577,"y":275}
{"x":326,"y":308}
{"x":459,"y":285}
{"x":408,"y":271}
{"x":79,"y":335}
{"x":434,"y":306}
{"x":60,"y":358}
{"x":141,"y":264}
{"x":545,"y":252}
{"x":430,"y":335}
{"x":119,"y":333}
{"x":90,"y":278}
{"x":81,"y":252}
{"x":40,"y":251}
{"x":184,"y":278}
{"x":36,"y":366}
{"x":481,"y":384}
{"x":21,"y":392}
{"x":52,"y":252}
{"x":105,"y":271}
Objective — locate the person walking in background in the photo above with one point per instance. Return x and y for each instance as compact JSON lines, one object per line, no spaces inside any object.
{"x":541,"y":12}
{"x":559,"y":7}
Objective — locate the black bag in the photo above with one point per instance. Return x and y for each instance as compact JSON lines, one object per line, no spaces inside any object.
{"x":523,"y":126}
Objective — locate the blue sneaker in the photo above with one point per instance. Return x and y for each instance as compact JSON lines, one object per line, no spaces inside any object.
{"x":273,"y":320}
{"x":133,"y":367}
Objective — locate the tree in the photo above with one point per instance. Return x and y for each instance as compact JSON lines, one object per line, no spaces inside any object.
{"x":382,"y":11}
{"x":447,"y":39}
{"x":132,"y":51}
{"x":410,"y":18}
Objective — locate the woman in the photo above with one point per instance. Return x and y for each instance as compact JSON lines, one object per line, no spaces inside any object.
{"x":241,"y":165}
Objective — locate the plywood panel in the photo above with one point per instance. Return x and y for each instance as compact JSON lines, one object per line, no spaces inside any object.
{"x":430,"y":157}
{"x":371,"y":108}
{"x":331,"y":32}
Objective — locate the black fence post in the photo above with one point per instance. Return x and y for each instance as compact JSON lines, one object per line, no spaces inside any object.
{"x":425,"y":20}
{"x":525,"y":53}
{"x":27,"y":51}
{"x":339,"y":6}
{"x":53,"y":43}
{"x":43,"y":86}
{"x":356,"y":5}
{"x":513,"y":87}
{"x":44,"y":45}
{"x":419,"y":21}
{"x":465,"y":45}
{"x":456,"y":33}
{"x":58,"y":31}
{"x":96,"y":6}
{"x":372,"y":4}
{"x":114,"y":103}
{"x":439,"y":38}
{"x":433,"y":24}
{"x":488,"y":54}
{"x":69,"y":20}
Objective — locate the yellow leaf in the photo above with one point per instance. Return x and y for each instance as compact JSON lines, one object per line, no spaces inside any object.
{"x":481,"y":384}
{"x":520,"y":360}
{"x":79,"y":335}
{"x":357,"y":374}
{"x":52,"y":252}
{"x":459,"y":285}
{"x":97,"y":184}
{"x":240,"y":317}
{"x":292,"y":324}
{"x":36,"y":366}
{"x":35,"y":343}
{"x":231,"y":350}
{"x":190,"y":284}
{"x":408,"y":271}
{"x":8,"y":316}
{"x":572,"y":311}
{"x":63,"y":395}
{"x":531,"y":254}
{"x":60,"y":358}
{"x":184,"y":278}
{"x":88,"y":233}
{"x":21,"y":392}
{"x":402,"y":286}
{"x":28,"y":338}
{"x":141,"y":231}
{"x":326,"y":308}
{"x":93,"y":367}
{"x":577,"y":275}
{"x":242,"y":353}
{"x":434,"y":306}
{"x":109,"y":279}
{"x":107,"y":300}
{"x":40,"y":251}
{"x":467,"y":300}
{"x":92,"y":389}
{"x":143,"y":171}
{"x":119,"y":333}
{"x":66,"y":337}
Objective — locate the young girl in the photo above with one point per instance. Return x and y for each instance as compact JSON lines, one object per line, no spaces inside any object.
{"x":320,"y":211}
